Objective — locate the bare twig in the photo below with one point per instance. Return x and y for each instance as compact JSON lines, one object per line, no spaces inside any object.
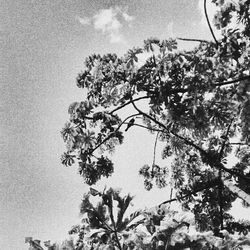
{"x":192,"y":40}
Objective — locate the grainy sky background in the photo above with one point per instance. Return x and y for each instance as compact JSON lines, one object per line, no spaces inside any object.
{"x":43,"y":48}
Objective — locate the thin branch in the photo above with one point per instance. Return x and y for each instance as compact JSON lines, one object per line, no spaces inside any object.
{"x":225,"y":140}
{"x":111,"y":134}
{"x":127,"y":103}
{"x":171,"y":195}
{"x":153,"y":164}
{"x":101,"y":220}
{"x":220,"y":187}
{"x":231,"y":81}
{"x":213,"y":183}
{"x":192,"y":40}
{"x":230,"y":171}
{"x":151,"y":129}
{"x":208,"y":22}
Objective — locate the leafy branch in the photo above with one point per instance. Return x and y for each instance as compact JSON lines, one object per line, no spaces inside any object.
{"x":205,"y":154}
{"x":111,"y":134}
{"x":127,"y":103}
{"x":208,"y":185}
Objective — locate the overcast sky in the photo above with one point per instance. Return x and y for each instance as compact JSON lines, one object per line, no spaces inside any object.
{"x":44,"y":46}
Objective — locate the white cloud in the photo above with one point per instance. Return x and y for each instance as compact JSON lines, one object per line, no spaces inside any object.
{"x":127,"y":17}
{"x":109,"y":22}
{"x":106,"y":20}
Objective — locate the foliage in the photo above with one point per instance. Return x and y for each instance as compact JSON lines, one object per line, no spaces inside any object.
{"x":105,"y":223}
{"x":197,"y":103}
{"x":156,"y":228}
{"x":153,"y":229}
{"x":36,"y":244}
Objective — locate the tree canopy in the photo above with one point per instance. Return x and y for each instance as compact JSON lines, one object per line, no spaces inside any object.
{"x":196,"y":102}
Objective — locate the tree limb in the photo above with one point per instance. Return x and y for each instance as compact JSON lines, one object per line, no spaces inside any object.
{"x":224,"y":141}
{"x":127,"y":103}
{"x":231,"y":81}
{"x":111,"y":134}
{"x":151,"y":129}
{"x":208,"y":22}
{"x":192,"y":40}
{"x":217,"y":165}
{"x":153,"y":164}
{"x":213,"y":183}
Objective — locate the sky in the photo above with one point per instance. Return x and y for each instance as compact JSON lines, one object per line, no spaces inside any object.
{"x":42,"y":51}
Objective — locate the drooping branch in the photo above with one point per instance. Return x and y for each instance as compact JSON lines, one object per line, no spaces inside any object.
{"x":209,"y":24}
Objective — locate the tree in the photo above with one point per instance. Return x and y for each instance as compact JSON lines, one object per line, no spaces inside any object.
{"x":197,"y":102}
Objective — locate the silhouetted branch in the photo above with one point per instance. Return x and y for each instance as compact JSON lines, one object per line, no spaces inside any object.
{"x":127,"y":103}
{"x":213,"y":183}
{"x":111,"y":134}
{"x":225,"y":140}
{"x":192,"y":40}
{"x":156,"y":139}
{"x":208,"y":22}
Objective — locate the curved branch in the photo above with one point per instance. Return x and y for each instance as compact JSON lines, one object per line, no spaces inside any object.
{"x":208,"y":22}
